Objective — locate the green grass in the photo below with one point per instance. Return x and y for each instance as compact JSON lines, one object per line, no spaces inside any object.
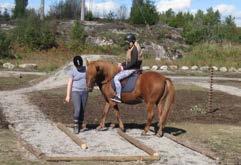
{"x":225,"y":140}
{"x":9,"y":150}
{"x":213,"y":54}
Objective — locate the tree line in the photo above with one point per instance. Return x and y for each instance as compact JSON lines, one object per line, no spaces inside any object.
{"x":196,"y":28}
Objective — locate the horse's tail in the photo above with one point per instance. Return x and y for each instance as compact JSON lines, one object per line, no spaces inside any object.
{"x":168,"y":96}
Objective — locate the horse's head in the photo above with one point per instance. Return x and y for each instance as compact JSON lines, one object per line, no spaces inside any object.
{"x":91,"y":75}
{"x":100,"y":72}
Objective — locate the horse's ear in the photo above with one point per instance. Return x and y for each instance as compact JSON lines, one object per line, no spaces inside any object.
{"x":87,"y":62}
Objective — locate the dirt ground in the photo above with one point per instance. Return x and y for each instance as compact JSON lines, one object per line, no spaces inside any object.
{"x":217,"y":131}
{"x":11,"y":83}
{"x":190,"y":106}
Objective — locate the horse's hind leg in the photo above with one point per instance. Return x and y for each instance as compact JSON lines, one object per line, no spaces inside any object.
{"x":117,"y":113}
{"x":161,"y":117}
{"x":150,"y":115}
{"x":103,"y":118}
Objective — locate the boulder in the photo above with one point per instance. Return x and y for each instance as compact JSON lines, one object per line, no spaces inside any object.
{"x":99,"y":41}
{"x":239,"y":70}
{"x":223,"y":69}
{"x":184,"y":68}
{"x":164,"y":67}
{"x":195,"y":67}
{"x":28,"y":66}
{"x":146,"y":68}
{"x":159,"y":51}
{"x":173,"y":67}
{"x":154,"y":67}
{"x":215,"y":68}
{"x":232,"y":69}
{"x":204,"y":68}
{"x":8,"y":66}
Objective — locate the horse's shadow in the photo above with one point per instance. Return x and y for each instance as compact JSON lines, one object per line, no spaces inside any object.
{"x":170,"y":130}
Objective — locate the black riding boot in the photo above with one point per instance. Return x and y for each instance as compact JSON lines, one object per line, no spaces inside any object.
{"x":76,"y":127}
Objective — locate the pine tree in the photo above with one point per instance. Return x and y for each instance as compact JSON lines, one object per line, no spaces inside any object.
{"x":143,"y":12}
{"x":20,"y":8}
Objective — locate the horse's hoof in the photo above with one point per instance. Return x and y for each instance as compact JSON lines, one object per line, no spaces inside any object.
{"x":112,"y":126}
{"x":100,"y":128}
{"x":144,"y":133}
{"x":122,"y":129}
{"x":159,"y":134}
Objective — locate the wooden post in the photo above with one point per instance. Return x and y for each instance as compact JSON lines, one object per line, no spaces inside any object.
{"x":137,"y":143}
{"x":75,"y":138}
{"x":210,"y":94}
{"x":101,"y":158}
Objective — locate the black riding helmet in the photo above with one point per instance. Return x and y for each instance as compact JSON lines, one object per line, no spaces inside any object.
{"x":130,"y":38}
{"x":78,"y":61}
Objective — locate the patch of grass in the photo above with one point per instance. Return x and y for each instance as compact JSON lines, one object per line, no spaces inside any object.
{"x":108,"y":49}
{"x":11,"y":83}
{"x":9,"y":151}
{"x":47,"y":61}
{"x":213,"y":54}
{"x":225,"y":140}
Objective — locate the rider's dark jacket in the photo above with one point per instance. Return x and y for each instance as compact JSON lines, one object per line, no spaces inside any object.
{"x":134,"y":62}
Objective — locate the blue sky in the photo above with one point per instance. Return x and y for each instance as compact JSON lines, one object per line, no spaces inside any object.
{"x":226,"y":7}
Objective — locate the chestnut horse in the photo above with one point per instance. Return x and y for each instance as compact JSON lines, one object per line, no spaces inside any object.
{"x":152,"y":87}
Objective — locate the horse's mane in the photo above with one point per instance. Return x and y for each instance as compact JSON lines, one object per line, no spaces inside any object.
{"x":105,"y":69}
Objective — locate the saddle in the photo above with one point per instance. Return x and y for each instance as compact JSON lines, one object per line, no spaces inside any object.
{"x":128,"y":84}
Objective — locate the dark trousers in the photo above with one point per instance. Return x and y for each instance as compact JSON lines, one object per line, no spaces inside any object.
{"x":79,"y":100}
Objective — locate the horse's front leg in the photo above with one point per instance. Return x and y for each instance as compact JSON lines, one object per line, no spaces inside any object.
{"x":103,"y":118}
{"x":117,"y":113}
{"x":150,"y":115}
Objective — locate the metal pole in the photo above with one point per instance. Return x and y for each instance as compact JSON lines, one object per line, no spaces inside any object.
{"x":82,"y":10}
{"x":42,"y":10}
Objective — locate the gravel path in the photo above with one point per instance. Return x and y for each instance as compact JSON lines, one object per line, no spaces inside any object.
{"x":42,"y":133}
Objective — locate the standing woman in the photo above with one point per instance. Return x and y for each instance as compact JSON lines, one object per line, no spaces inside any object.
{"x":77,"y":90}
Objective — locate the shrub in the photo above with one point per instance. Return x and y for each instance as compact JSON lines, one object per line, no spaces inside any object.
{"x":34,"y":33}
{"x":4,"y":46}
{"x":78,"y":37}
{"x":89,"y":16}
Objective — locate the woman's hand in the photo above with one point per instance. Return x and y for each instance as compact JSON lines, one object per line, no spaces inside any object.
{"x":67,"y":99}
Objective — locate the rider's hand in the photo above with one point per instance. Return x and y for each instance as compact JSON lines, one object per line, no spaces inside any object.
{"x":120,"y":67}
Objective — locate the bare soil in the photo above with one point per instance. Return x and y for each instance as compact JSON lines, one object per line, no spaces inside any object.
{"x":190,"y":106}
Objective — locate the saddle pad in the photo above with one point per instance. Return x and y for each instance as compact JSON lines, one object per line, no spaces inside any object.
{"x":129,"y":85}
